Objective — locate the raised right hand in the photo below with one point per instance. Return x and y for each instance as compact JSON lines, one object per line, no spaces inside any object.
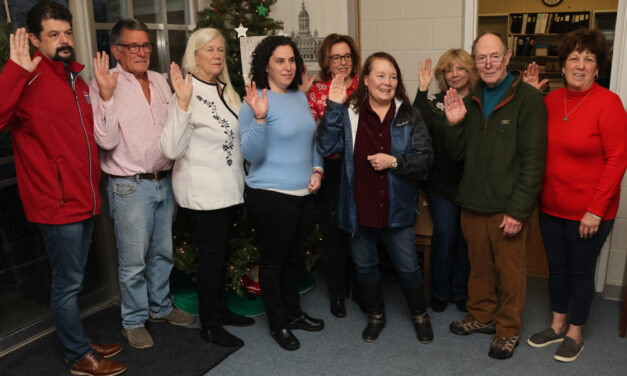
{"x":105,"y":80}
{"x":258,"y":105}
{"x":337,"y":89}
{"x":425,"y":74}
{"x":19,"y":51}
{"x":454,"y":107}
{"x":182,"y":88}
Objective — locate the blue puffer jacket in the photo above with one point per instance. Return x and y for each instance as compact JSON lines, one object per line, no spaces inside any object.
{"x":411,"y":145}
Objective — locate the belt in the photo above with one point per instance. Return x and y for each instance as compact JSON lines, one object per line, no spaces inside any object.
{"x":148,"y":175}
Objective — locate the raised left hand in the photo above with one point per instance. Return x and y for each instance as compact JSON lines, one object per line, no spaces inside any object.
{"x":381,"y":161}
{"x":588,"y":226}
{"x":532,"y":76}
{"x":510,"y":226}
{"x":307,"y":81}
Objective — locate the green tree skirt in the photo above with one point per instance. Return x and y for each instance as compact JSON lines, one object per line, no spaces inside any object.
{"x":186,"y":296}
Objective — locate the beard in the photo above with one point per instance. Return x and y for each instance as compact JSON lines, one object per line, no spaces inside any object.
{"x":66,"y":59}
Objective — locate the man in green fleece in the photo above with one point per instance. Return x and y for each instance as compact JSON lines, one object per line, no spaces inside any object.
{"x":500,"y":133}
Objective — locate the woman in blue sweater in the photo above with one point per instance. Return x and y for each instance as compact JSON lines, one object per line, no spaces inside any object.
{"x":278,"y":139}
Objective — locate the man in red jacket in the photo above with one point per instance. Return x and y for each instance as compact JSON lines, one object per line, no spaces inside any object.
{"x":47,"y":107}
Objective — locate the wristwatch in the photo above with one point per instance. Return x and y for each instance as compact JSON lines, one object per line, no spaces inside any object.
{"x":394,"y":164}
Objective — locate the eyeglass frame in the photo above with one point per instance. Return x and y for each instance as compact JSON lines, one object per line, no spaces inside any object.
{"x":335,"y":59}
{"x":132,"y":46}
{"x":489,"y":60}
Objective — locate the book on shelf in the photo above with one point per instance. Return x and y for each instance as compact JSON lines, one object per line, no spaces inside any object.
{"x":548,"y":23}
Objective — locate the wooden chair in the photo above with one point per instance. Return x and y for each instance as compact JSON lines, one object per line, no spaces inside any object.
{"x":423,"y":231}
{"x":623,"y":317}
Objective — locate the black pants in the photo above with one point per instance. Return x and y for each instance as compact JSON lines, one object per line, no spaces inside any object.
{"x":572,"y":263}
{"x":282,"y":222}
{"x":211,"y":233}
{"x":337,"y":250}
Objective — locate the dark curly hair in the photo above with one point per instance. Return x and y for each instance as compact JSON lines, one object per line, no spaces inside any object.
{"x":359,"y":97}
{"x":261,"y":57}
{"x":324,"y":55}
{"x":45,"y":10}
{"x":581,"y":40}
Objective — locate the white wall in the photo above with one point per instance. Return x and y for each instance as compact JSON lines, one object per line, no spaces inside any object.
{"x":410,"y":30}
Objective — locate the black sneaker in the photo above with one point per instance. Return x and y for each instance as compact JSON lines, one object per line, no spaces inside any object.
{"x":569,"y":350}
{"x":545,"y":338}
{"x":221,"y":337}
{"x":234,"y":319}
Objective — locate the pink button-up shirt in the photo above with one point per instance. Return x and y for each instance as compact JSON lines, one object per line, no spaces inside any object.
{"x":128,"y":128}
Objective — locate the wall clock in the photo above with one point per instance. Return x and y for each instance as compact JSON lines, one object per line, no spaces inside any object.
{"x":551,"y":3}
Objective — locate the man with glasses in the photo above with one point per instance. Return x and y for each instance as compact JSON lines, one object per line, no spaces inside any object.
{"x":500,"y":133}
{"x":130,"y":110}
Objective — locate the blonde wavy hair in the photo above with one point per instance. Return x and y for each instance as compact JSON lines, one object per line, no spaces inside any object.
{"x":461,"y":57}
{"x":196,"y":41}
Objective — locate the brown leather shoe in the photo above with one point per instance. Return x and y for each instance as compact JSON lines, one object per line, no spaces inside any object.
{"x":107,"y":350}
{"x":95,"y":365}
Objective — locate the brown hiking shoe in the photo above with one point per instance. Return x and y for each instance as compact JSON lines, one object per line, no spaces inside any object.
{"x":469,"y":325}
{"x":95,"y":365}
{"x":503,"y":347}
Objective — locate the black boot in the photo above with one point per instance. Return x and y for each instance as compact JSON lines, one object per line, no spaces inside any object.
{"x":415,"y":297}
{"x":373,"y":304}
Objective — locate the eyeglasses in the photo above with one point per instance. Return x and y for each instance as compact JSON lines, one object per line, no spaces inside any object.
{"x":134,"y":47}
{"x":494,"y":60}
{"x":337,"y":58}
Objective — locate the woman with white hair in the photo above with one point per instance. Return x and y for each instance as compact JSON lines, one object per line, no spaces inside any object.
{"x":202,"y":136}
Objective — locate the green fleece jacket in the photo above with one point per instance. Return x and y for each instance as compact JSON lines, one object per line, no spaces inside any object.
{"x":503,"y":155}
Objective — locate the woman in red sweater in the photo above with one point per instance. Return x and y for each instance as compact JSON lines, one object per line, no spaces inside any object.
{"x":586,"y":160}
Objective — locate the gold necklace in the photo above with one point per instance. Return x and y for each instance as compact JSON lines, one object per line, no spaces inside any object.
{"x":573,"y":110}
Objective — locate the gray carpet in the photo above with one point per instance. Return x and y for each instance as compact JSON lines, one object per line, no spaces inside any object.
{"x":339,"y":349}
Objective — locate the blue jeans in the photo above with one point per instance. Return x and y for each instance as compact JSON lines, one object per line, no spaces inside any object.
{"x":400,"y":245}
{"x":449,"y":251}
{"x":142,"y":212}
{"x":68,"y":247}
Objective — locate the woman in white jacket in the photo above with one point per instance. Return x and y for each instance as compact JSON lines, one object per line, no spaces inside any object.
{"x":202,"y":136}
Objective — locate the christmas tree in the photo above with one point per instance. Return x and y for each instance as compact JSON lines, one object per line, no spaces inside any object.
{"x":226,"y":15}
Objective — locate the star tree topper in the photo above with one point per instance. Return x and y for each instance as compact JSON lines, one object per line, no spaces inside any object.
{"x":241,"y":31}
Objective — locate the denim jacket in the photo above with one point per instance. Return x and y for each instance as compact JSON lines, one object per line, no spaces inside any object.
{"x":411,"y":145}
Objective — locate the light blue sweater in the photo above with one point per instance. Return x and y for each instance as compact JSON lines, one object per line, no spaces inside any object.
{"x":282,"y":152}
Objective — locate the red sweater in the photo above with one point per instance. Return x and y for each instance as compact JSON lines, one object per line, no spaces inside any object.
{"x":56,"y":157}
{"x":586,"y":155}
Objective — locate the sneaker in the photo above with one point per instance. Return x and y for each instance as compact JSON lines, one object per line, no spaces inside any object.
{"x":138,"y":338}
{"x":176,"y":317}
{"x":503,"y":347}
{"x":545,"y":338}
{"x":469,"y":325}
{"x":569,"y":350}
{"x":230,"y":318}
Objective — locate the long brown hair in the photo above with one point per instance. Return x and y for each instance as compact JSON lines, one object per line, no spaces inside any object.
{"x":359,"y":97}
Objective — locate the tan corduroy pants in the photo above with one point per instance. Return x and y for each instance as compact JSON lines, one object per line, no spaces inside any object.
{"x":496,"y":261}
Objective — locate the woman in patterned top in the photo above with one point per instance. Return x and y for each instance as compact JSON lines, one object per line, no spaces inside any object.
{"x":337,"y":56}
{"x":449,"y":253}
{"x":202,"y":136}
